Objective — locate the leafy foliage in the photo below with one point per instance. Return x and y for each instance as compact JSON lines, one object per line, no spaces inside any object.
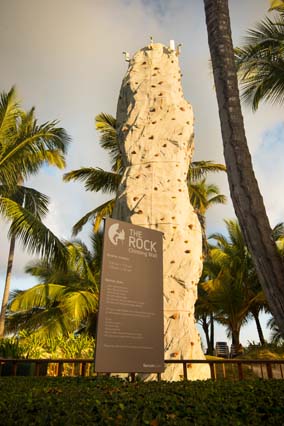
{"x":64,"y":301}
{"x":31,"y":346}
{"x":115,"y":402}
{"x":260,"y":62}
{"x":25,"y":146}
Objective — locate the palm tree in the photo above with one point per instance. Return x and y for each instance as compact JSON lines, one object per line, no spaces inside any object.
{"x":63,"y":302}
{"x":25,"y":146}
{"x":96,"y":179}
{"x":204,"y":309}
{"x":203,"y":196}
{"x":260,"y":62}
{"x":246,"y":197}
{"x":229,"y":269}
{"x":276,"y":336}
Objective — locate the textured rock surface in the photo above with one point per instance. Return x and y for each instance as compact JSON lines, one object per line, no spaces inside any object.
{"x":155,"y":127}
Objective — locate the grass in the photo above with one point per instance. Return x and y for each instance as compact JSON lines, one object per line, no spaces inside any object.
{"x":100,"y":401}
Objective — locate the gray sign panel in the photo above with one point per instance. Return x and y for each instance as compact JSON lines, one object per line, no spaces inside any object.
{"x":130,"y":335}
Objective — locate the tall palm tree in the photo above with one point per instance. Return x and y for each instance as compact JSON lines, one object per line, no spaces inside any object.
{"x":96,"y":179}
{"x":24,"y":147}
{"x":202,"y":197}
{"x":204,"y":308}
{"x":246,"y":197}
{"x":63,"y":302}
{"x":260,"y":62}
{"x":229,"y":289}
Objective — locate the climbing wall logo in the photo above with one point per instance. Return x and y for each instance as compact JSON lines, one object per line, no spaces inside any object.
{"x":115,"y":234}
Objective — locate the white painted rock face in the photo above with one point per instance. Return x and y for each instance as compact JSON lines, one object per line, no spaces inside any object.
{"x":155,"y":130}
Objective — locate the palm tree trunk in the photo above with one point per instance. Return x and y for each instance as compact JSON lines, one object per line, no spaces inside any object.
{"x":246,"y":197}
{"x":236,"y":338}
{"x":212,"y":342}
{"x":205,"y":328}
{"x":259,"y":328}
{"x":7,"y":286}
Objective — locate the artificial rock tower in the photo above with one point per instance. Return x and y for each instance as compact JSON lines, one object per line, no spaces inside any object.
{"x":155,"y":132}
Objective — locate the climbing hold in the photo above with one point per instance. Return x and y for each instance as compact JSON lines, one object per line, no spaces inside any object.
{"x":151,"y":137}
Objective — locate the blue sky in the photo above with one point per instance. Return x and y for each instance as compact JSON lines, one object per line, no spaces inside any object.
{"x":65,"y":57}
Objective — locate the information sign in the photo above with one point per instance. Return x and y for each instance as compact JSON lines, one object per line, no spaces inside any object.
{"x":130,"y":334}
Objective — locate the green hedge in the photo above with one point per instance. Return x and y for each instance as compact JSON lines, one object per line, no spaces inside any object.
{"x":97,"y":401}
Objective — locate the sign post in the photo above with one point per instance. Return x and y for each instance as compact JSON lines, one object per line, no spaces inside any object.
{"x":130,"y":335}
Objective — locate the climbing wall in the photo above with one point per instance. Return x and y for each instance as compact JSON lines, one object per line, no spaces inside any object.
{"x":155,"y":131}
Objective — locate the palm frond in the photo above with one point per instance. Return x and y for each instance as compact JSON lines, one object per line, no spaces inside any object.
{"x":33,"y":234}
{"x":106,"y":125}
{"x":260,"y":63}
{"x":95,"y":179}
{"x":29,"y":198}
{"x":39,"y":296}
{"x":218,"y":199}
{"x":78,"y":305}
{"x":203,"y":196}
{"x":9,"y":113}
{"x":199,"y":169}
{"x":104,"y":210}
{"x":278,"y":231}
{"x":30,"y":146}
